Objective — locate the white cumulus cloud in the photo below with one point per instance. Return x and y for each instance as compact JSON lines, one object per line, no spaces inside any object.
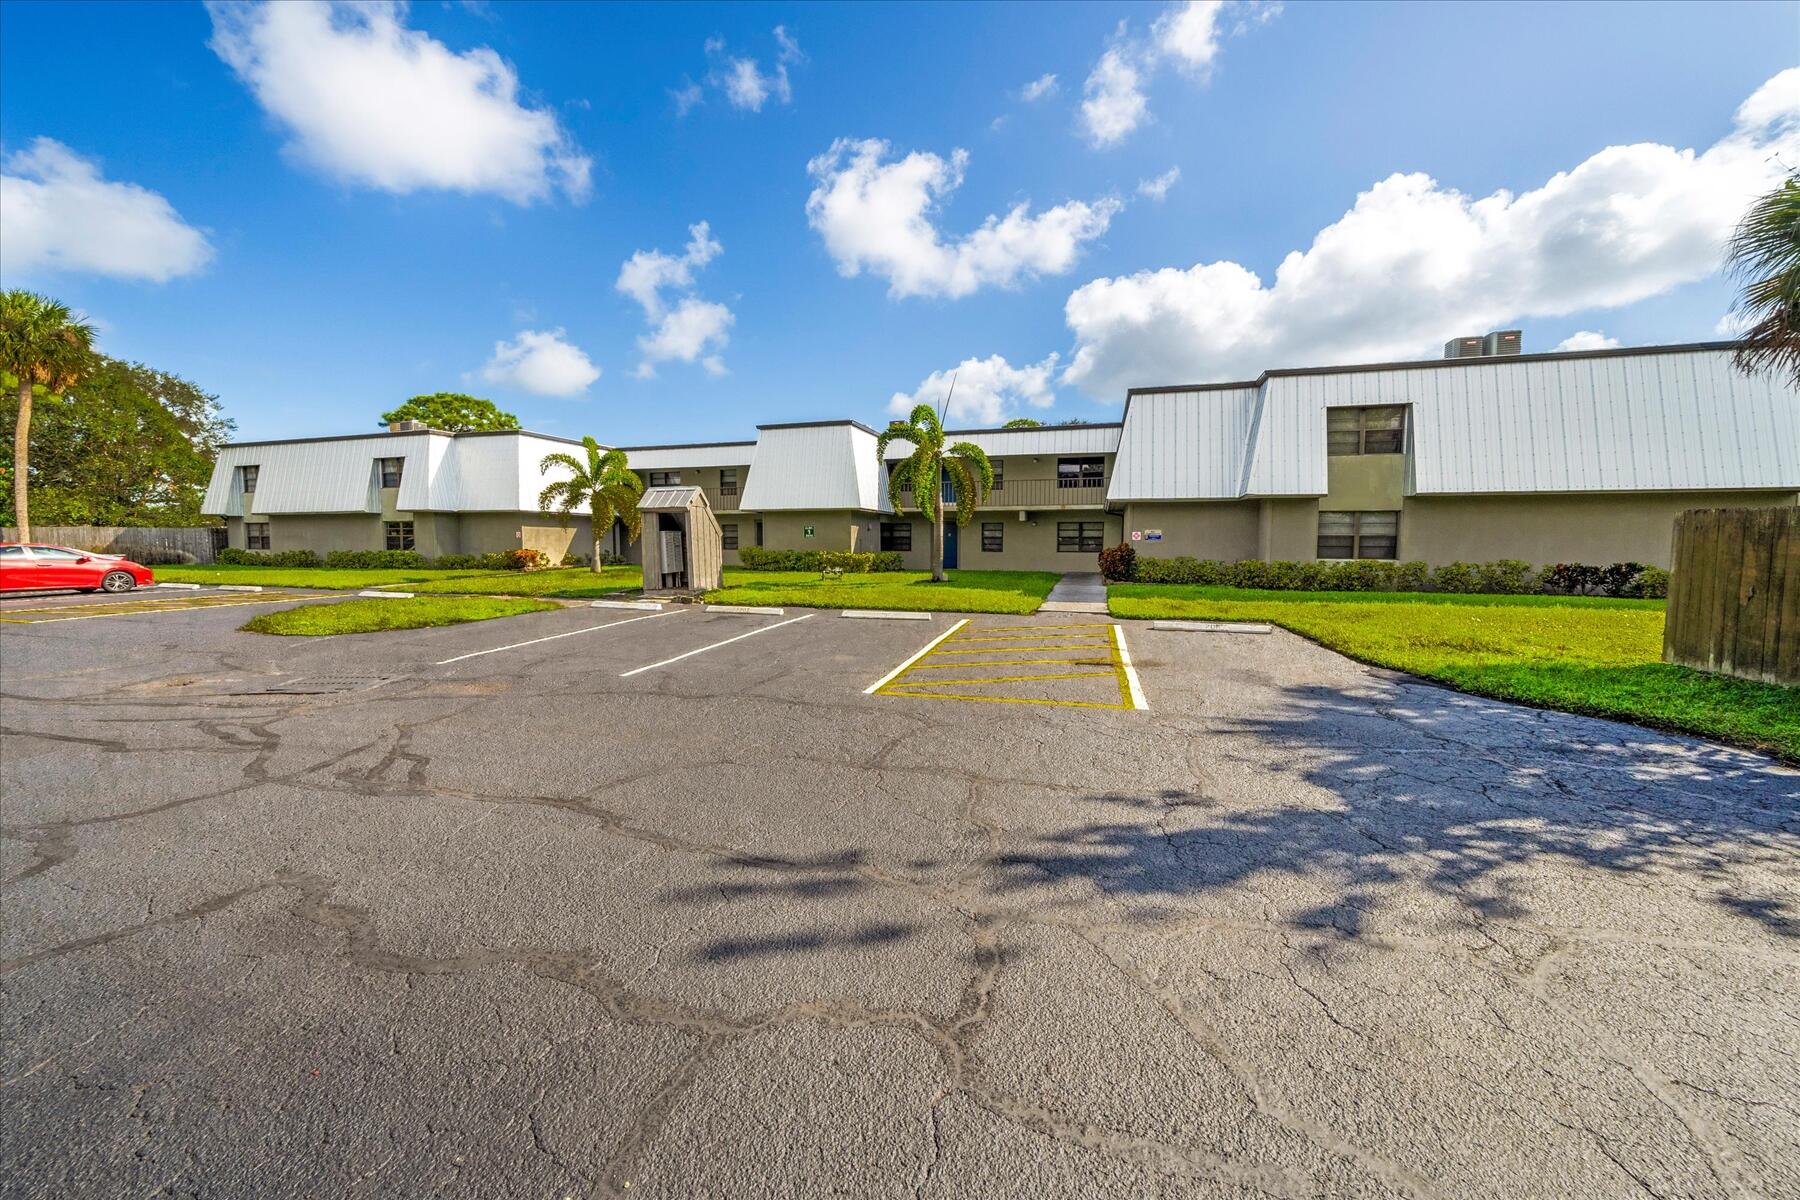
{"x":1158,"y":188}
{"x":1587,"y":339}
{"x":542,"y":362}
{"x":689,"y":330}
{"x":367,"y":100}
{"x":988,"y":390}
{"x":60,"y":213}
{"x":877,"y":216}
{"x":745,"y":84}
{"x":1414,"y":262}
{"x":1044,"y":85}
{"x":1115,"y":100}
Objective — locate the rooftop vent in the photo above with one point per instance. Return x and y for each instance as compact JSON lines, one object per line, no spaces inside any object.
{"x":1502,"y":341}
{"x":407,"y":427}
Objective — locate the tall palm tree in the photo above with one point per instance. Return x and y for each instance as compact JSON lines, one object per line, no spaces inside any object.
{"x":1765,"y":254}
{"x":970,"y":473}
{"x":603,"y":484}
{"x":41,"y":343}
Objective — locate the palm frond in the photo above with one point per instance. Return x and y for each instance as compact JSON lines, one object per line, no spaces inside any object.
{"x":963,"y":482}
{"x":927,"y":485}
{"x":969,"y":452}
{"x":562,"y":495}
{"x":560,"y":459}
{"x":899,"y":480}
{"x":1764,"y":252}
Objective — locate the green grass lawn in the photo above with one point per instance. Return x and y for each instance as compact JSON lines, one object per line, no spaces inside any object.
{"x":1579,"y":654}
{"x":313,"y":577}
{"x":562,"y":583}
{"x":911,"y":591}
{"x":368,"y":616}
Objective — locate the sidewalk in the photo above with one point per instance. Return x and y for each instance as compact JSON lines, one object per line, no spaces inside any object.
{"x":1080,"y":591}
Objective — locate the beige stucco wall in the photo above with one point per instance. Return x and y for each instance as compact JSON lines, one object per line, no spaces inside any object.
{"x":787,"y":530}
{"x":1223,"y":529}
{"x":1364,"y":482}
{"x":1288,"y":529}
{"x":1561,"y":527}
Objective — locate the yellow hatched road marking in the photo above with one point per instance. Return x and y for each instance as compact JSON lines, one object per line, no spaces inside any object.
{"x":1083,"y":648}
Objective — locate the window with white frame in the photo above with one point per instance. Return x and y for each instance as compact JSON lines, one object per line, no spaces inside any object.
{"x":256,"y":535}
{"x":390,"y":471}
{"x":1359,"y":535}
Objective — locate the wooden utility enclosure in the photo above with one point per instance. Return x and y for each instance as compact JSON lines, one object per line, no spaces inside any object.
{"x":683,"y":549}
{"x":1734,"y":595}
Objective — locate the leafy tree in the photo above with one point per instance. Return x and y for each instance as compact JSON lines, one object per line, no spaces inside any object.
{"x":603,"y":483}
{"x":42,"y":345}
{"x":128,"y":445}
{"x":452,"y":411}
{"x":1023,"y":423}
{"x":1765,"y":254}
{"x":924,"y":471}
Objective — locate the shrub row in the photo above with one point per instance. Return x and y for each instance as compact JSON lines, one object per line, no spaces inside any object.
{"x":758,"y":558}
{"x":371,"y":560}
{"x":1508,"y":576}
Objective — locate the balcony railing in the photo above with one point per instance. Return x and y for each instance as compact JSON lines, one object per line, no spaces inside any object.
{"x":1039,"y":493}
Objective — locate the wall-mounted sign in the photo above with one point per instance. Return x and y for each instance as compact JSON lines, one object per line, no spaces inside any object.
{"x":1153,"y":535}
{"x":1137,"y":535}
{"x":807,"y":532}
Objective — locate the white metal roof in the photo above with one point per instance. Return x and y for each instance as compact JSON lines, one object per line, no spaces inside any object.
{"x":1046,"y":439}
{"x":670,"y":498}
{"x":805,"y":467}
{"x":711,"y":454}
{"x":1681,"y":419}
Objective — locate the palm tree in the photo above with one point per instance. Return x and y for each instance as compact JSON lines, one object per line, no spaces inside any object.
{"x":1765,"y":254}
{"x":924,"y":470}
{"x":604,"y":484}
{"x":42,"y":344}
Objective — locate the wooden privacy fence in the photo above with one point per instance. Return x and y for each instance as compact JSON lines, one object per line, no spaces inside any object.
{"x":1734,"y":596}
{"x":148,"y":544}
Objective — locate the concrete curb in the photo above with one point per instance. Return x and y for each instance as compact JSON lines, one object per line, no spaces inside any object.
{"x":1213,"y":626}
{"x":874,"y":615}
{"x":373,"y":595}
{"x":189,"y":587}
{"x":240,"y":587}
{"x":640,"y":605}
{"x":746,"y":610}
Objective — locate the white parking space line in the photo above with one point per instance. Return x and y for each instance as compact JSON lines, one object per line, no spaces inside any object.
{"x":922,"y":652}
{"x":1131,"y":675}
{"x":571,"y":633}
{"x":703,"y":649}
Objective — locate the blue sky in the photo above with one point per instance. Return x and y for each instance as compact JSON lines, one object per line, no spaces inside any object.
{"x":317,"y":218}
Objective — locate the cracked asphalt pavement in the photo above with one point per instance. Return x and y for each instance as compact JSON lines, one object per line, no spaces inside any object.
{"x":516,"y":926}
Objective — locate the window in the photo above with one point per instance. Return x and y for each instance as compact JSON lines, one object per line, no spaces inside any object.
{"x":728,"y":536}
{"x":54,"y":554}
{"x":1359,"y":534}
{"x":399,"y":534}
{"x":728,"y":481}
{"x":10,"y":551}
{"x":1080,"y":472}
{"x":247,"y":478}
{"x":759,"y":531}
{"x":999,"y":475}
{"x":993,"y":537}
{"x":390,"y":471}
{"x":256,"y":535}
{"x":665,"y":478}
{"x":1080,"y":536}
{"x":1366,"y":430}
{"x":896,"y":535}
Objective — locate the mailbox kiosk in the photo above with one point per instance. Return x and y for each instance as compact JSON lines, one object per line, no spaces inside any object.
{"x":683,"y":549}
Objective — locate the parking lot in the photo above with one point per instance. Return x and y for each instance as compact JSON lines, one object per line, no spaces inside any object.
{"x":605,"y":902}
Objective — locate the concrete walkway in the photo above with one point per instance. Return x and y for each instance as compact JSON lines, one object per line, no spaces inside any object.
{"x":1078,"y":591}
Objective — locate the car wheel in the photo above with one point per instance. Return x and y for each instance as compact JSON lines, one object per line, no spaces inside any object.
{"x":118,"y":581}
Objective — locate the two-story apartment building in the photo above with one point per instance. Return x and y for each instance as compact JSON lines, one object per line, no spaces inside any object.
{"x":1584,"y":456}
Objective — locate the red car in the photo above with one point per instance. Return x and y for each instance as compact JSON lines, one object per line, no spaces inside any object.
{"x":28,"y":565}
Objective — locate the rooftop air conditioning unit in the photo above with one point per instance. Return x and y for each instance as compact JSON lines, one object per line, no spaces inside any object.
{"x":407,"y":427}
{"x":1463,"y":347}
{"x":1502,"y":341}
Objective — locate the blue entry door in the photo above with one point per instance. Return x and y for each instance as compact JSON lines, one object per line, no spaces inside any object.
{"x":949,"y":545}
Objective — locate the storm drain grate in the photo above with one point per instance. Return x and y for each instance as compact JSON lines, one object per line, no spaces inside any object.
{"x":317,"y":685}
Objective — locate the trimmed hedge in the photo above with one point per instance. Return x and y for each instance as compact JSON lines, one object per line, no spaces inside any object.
{"x":851,"y":562}
{"x":1508,"y":576}
{"x":233,"y":557}
{"x":375,"y":560}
